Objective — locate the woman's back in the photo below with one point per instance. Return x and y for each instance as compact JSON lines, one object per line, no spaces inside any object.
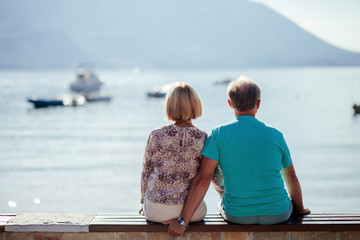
{"x":172,"y":159}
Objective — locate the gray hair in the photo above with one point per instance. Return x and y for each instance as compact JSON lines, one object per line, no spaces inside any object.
{"x":243,"y":93}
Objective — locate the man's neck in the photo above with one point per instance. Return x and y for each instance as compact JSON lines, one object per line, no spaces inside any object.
{"x":251,"y":112}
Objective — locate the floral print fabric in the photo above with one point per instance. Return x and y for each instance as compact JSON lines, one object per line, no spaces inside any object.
{"x":172,"y":159}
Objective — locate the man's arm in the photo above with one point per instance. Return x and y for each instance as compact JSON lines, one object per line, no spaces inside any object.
{"x":294,"y":188}
{"x":198,"y":189}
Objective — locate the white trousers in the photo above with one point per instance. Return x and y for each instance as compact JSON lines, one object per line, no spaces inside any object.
{"x":157,"y":212}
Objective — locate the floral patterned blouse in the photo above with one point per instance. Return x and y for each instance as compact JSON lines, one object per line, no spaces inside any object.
{"x":172,"y":159}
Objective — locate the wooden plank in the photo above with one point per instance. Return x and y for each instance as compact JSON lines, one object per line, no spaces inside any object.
{"x":332,"y":214}
{"x":118,"y":220}
{"x":225,"y":228}
{"x":120,"y":216}
{"x":217,"y":216}
{"x":329,"y":217}
{"x":307,"y":219}
{"x":215,"y":223}
{"x":221,"y":220}
{"x":326,"y":219}
{"x":4,"y":219}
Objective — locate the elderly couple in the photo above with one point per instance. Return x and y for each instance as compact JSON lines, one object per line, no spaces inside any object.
{"x":246,"y":160}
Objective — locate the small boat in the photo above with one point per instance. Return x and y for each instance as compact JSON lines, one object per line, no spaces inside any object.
{"x":64,"y":100}
{"x":224,"y":81}
{"x":86,"y":81}
{"x":159,"y":91}
{"x":356,"y":109}
{"x":97,"y":97}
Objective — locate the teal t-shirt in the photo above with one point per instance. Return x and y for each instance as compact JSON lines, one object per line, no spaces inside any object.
{"x":251,"y":156}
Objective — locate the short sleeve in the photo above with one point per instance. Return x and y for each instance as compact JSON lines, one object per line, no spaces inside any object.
{"x":211,"y":149}
{"x":286,"y":160}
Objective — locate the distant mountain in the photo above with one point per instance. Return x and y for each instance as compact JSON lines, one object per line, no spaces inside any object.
{"x":29,"y":47}
{"x":157,"y":33}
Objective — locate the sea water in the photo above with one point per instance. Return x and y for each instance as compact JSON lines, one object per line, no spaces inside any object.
{"x":89,"y":158}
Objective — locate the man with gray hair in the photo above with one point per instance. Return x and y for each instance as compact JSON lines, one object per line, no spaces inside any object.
{"x":255,"y":161}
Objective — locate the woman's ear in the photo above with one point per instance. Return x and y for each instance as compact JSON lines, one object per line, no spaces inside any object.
{"x":231,"y":106}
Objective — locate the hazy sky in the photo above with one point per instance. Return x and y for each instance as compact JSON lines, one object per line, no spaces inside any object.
{"x":336,"y":21}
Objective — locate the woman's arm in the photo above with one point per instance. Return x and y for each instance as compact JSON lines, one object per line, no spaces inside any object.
{"x":294,"y":188}
{"x":218,"y":181}
{"x":147,"y":168}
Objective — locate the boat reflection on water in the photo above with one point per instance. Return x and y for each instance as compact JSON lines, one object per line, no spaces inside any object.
{"x":97,"y":97}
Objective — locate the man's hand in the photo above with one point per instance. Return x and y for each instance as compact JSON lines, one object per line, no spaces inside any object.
{"x":303,"y":211}
{"x":175,"y":229}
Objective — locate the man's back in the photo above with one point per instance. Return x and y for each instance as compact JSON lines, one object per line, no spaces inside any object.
{"x":251,"y":156}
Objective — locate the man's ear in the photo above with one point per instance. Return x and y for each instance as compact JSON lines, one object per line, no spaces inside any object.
{"x":231,"y":106}
{"x":258,"y":104}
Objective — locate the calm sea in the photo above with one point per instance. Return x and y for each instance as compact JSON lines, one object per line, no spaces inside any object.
{"x":88,"y":158}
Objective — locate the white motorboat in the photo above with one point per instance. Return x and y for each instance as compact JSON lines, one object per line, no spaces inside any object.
{"x":86,"y":81}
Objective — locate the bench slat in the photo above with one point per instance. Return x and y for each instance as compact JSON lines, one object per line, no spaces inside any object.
{"x":217,"y":217}
{"x":223,"y":227}
{"x":4,"y":219}
{"x":215,"y":223}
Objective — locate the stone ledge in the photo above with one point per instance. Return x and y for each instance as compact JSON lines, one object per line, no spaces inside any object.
{"x":50,"y":222}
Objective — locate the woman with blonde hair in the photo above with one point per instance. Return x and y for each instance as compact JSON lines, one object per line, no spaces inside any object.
{"x":172,"y":158}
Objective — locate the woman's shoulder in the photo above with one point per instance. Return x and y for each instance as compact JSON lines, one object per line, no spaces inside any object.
{"x":173,"y":129}
{"x":161,"y":130}
{"x":197,"y":132}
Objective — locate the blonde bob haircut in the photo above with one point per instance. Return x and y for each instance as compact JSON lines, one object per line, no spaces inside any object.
{"x":182,"y":103}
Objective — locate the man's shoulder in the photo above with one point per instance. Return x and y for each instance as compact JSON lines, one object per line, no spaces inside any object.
{"x":227,"y":124}
{"x":271,"y":129}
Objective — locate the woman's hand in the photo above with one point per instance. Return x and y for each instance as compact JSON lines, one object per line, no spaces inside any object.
{"x":141,"y":211}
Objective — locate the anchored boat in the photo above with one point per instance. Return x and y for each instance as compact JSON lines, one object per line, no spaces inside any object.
{"x":64,"y":100}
